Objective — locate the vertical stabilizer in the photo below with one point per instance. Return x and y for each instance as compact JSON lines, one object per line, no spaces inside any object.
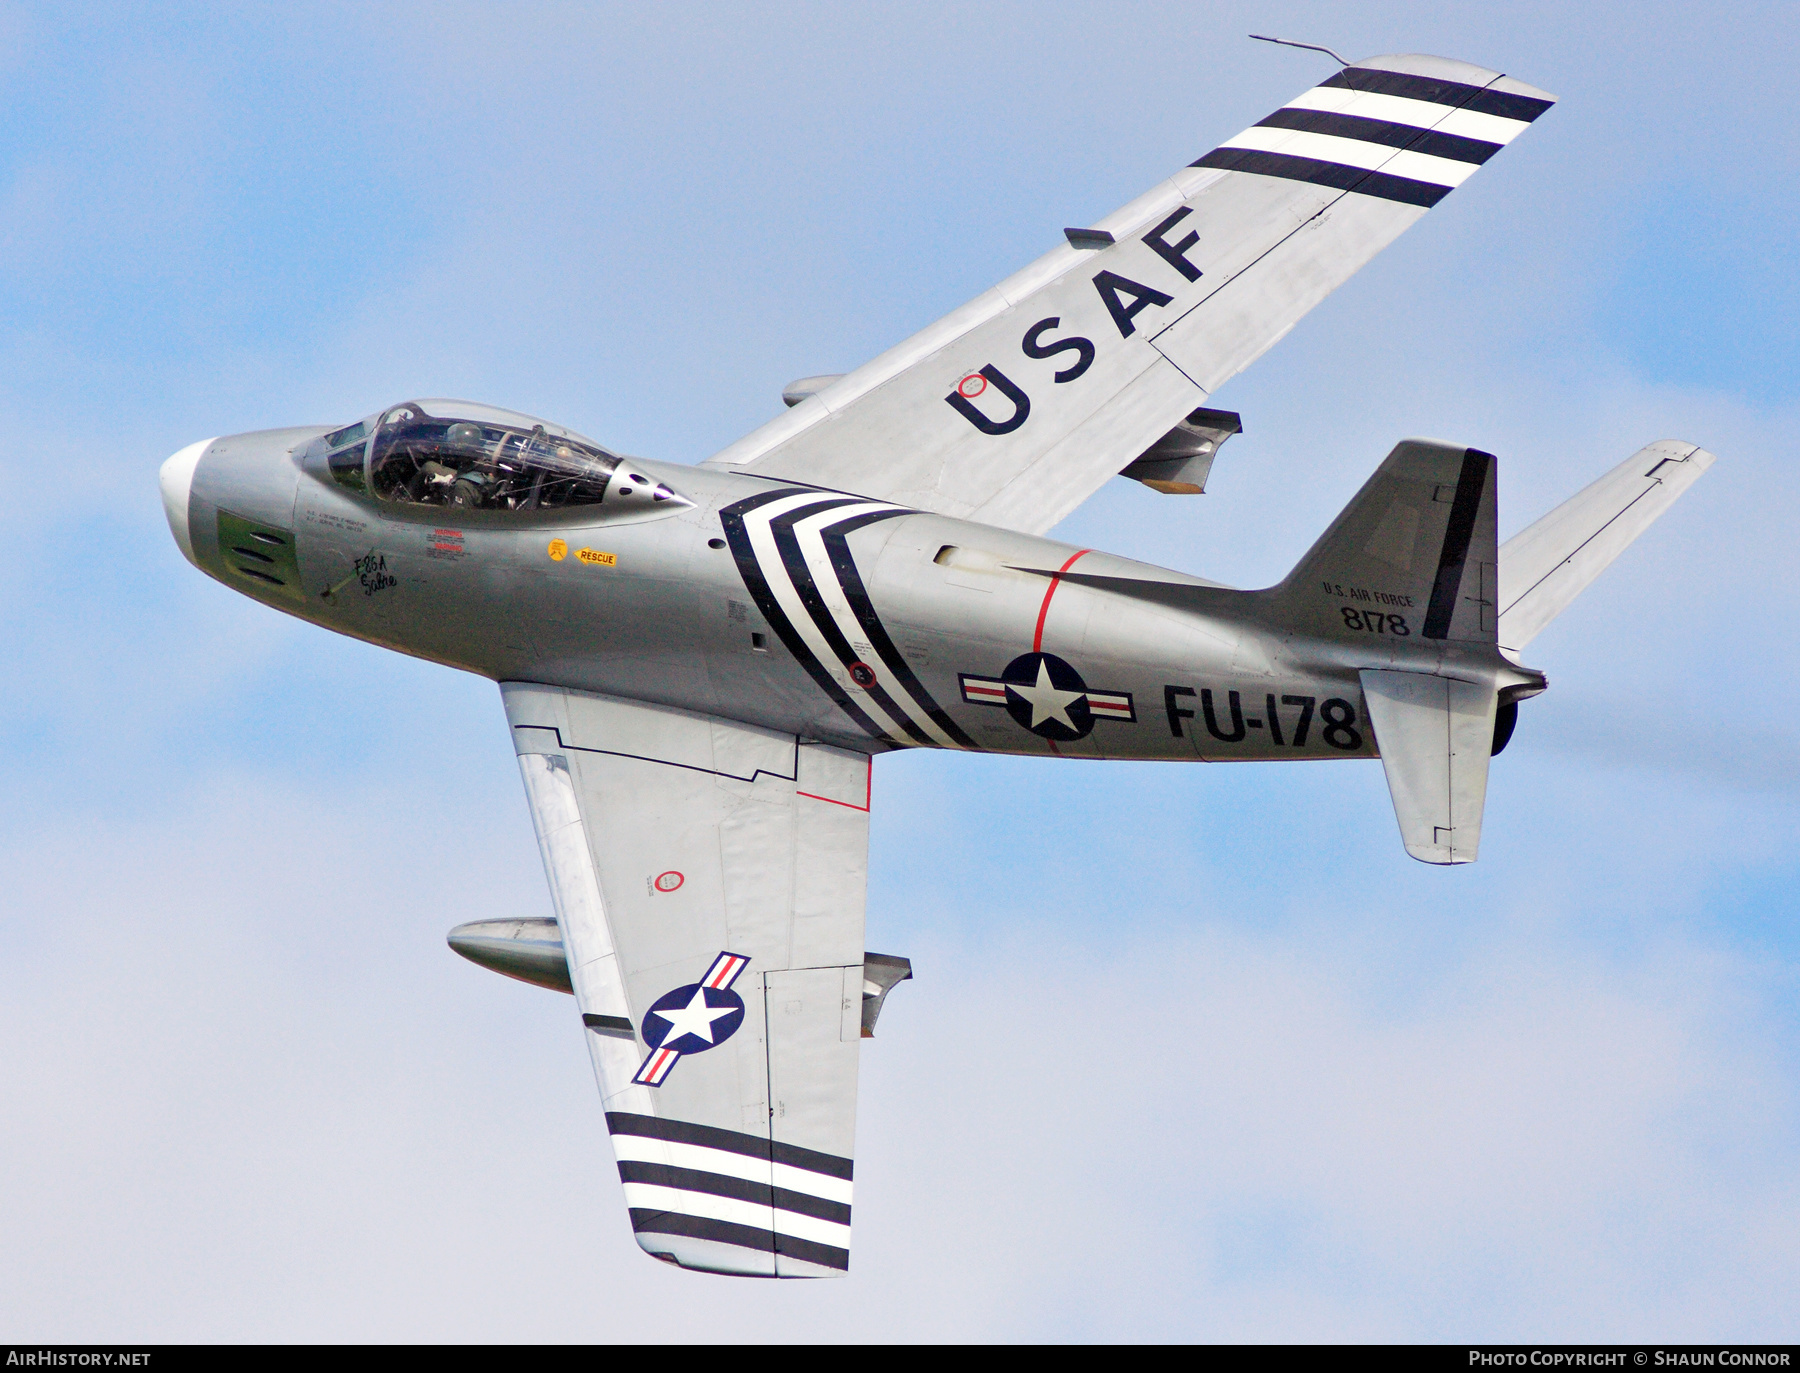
{"x":1413,"y":556}
{"x":1435,"y":735}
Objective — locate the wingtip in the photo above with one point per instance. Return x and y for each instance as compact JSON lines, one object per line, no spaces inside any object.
{"x":698,"y":1254}
{"x":1702,"y":458}
{"x":1450,"y":69}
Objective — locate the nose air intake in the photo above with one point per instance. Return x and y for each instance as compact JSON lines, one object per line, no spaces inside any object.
{"x":177,"y":481}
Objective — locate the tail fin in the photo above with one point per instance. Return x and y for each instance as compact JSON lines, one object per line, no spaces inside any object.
{"x":1549,"y":564}
{"x":1413,"y":555}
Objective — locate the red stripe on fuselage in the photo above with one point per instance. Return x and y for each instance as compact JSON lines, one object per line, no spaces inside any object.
{"x":1037,"y":639}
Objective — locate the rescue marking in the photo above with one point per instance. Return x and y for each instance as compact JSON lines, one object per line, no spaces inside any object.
{"x":446,"y":545}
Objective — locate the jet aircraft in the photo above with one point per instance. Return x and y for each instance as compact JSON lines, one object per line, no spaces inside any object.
{"x":698,"y":664}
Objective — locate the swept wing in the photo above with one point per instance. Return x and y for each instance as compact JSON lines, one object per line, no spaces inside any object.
{"x":1013,"y":409}
{"x":708,"y":878}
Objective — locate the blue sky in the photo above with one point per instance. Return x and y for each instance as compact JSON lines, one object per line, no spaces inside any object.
{"x":1192,"y":1052}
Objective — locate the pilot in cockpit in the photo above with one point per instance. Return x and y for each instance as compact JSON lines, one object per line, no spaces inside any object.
{"x":479,"y":483}
{"x":418,"y":458}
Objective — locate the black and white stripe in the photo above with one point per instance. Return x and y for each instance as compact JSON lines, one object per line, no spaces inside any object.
{"x":792,"y":550}
{"x":1394,"y":135}
{"x":706,"y":1183}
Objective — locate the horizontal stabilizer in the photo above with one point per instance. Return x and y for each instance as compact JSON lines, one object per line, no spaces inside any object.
{"x":1435,"y":735}
{"x":1549,"y":564}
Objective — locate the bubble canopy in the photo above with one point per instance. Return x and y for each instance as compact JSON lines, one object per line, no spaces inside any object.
{"x":459,"y":455}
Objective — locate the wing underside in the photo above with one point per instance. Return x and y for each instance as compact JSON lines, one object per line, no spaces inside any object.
{"x":708,"y":878}
{"x":1013,"y":409}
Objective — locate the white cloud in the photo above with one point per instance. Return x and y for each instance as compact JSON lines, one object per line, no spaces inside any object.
{"x":253,"y":1096}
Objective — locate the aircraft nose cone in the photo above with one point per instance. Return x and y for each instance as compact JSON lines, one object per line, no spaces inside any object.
{"x":177,"y":482}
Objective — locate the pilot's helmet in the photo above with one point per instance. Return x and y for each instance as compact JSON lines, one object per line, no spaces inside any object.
{"x":465,"y":435}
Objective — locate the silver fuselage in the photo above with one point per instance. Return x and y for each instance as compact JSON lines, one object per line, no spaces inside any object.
{"x":695,"y":609}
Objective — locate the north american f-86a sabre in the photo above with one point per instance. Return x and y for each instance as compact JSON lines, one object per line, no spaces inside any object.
{"x":698,"y":664}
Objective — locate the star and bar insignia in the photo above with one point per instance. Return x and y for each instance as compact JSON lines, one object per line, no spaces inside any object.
{"x":1047,"y":696}
{"x":692,"y":1019}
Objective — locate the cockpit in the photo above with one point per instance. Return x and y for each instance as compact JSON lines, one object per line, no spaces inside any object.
{"x":468,"y":457}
